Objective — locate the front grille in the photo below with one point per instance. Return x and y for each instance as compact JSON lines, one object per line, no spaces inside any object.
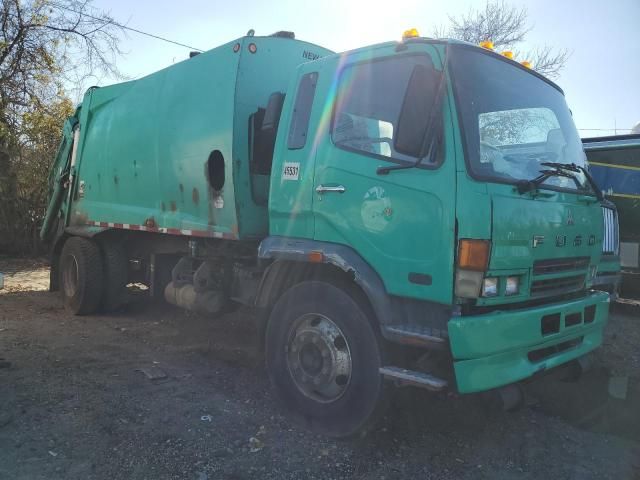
{"x":556,"y":286}
{"x":558,"y":265}
{"x":610,"y":241}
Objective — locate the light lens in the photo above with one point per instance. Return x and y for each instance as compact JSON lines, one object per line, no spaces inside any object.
{"x":508,"y":54}
{"x":488,"y":44}
{"x":411,"y":33}
{"x":473,"y":254}
{"x":253,"y":48}
{"x":468,"y":284}
{"x":513,"y":286}
{"x":490,"y":287}
{"x":526,"y":64}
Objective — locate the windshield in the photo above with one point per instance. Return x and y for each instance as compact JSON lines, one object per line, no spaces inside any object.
{"x":513,"y":121}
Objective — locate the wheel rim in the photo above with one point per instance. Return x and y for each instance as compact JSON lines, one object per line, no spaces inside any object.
{"x":319,"y":358}
{"x":70,"y":276}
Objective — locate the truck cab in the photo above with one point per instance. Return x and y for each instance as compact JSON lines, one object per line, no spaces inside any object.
{"x":424,"y":158}
{"x":428,"y":197}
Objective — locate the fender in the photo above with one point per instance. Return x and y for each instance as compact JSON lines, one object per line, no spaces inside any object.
{"x":343,"y":257}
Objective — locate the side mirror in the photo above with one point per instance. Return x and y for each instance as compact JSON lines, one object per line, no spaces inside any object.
{"x":418,"y":111}
{"x":273,"y":111}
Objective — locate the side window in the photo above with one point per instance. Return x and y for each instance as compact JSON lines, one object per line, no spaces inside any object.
{"x":370,"y":98}
{"x":302,"y":111}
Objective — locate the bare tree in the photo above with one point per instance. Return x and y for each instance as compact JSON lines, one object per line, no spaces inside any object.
{"x":549,"y":61}
{"x":44,"y":45}
{"x":507,"y":27}
{"x":45,"y":42}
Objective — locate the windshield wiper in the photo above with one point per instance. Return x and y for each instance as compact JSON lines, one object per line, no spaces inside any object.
{"x":577,"y":168}
{"x":524,"y":186}
{"x":388,"y":168}
{"x":558,"y":170}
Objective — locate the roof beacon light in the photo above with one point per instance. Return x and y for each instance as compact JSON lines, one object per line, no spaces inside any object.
{"x":488,"y":44}
{"x":411,"y":33}
{"x":508,"y":54}
{"x":526,"y":64}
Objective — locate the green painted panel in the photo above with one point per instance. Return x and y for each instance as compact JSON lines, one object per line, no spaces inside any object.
{"x":492,"y":350}
{"x":402,"y":223}
{"x":145,"y":144}
{"x":518,"y":218}
{"x":485,"y":373}
{"x":271,"y":69}
{"x":290,"y":204}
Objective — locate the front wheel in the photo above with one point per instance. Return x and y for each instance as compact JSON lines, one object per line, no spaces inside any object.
{"x":323,"y":357}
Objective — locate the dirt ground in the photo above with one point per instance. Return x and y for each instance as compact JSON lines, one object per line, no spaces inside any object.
{"x":76,"y":403}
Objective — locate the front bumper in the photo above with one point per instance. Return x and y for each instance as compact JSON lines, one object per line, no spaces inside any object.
{"x":503,"y":347}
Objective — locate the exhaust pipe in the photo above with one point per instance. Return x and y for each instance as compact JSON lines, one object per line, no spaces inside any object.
{"x":508,"y":398}
{"x":185,"y":296}
{"x":578,"y":367}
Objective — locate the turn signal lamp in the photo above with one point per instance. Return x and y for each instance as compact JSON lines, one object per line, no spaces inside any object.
{"x":411,"y":33}
{"x":316,"y":257}
{"x":526,"y":64}
{"x":508,"y":54}
{"x":488,"y":44}
{"x":473,"y":254}
{"x":473,"y":259}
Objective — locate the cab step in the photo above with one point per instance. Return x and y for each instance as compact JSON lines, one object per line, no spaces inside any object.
{"x":404,"y":377}
{"x":415,"y":335}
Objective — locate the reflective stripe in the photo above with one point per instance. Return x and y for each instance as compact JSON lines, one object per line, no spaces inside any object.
{"x":169,"y":231}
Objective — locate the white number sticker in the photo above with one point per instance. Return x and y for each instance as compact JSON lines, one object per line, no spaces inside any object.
{"x":291,"y":171}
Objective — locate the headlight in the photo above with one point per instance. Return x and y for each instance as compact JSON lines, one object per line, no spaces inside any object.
{"x":513,"y":286}
{"x":468,"y":283}
{"x":490,"y":287}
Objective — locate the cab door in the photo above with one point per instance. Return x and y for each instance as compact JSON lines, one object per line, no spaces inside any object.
{"x":401,"y":222}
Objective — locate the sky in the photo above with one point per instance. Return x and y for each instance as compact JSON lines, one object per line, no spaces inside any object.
{"x":601,"y":79}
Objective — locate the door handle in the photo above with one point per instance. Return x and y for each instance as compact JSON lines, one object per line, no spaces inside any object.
{"x":333,"y":188}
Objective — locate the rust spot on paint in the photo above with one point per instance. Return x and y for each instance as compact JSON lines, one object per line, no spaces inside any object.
{"x":150,"y":222}
{"x":172,"y":206}
{"x":163,"y":207}
{"x":78,"y":218}
{"x":195,"y":196}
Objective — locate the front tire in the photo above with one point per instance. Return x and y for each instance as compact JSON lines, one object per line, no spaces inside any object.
{"x":323,"y":357}
{"x":81,"y":276}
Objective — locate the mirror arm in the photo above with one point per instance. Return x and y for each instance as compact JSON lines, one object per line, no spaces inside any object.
{"x":433,"y":150}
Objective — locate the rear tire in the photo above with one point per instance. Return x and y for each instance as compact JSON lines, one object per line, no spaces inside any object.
{"x":81,"y":276}
{"x":116,"y":274}
{"x":323,"y":357}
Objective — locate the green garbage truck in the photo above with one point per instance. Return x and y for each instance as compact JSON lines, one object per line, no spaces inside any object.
{"x":416,"y":212}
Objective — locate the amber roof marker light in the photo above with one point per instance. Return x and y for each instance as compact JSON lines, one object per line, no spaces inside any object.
{"x":410,"y":33}
{"x":488,"y":44}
